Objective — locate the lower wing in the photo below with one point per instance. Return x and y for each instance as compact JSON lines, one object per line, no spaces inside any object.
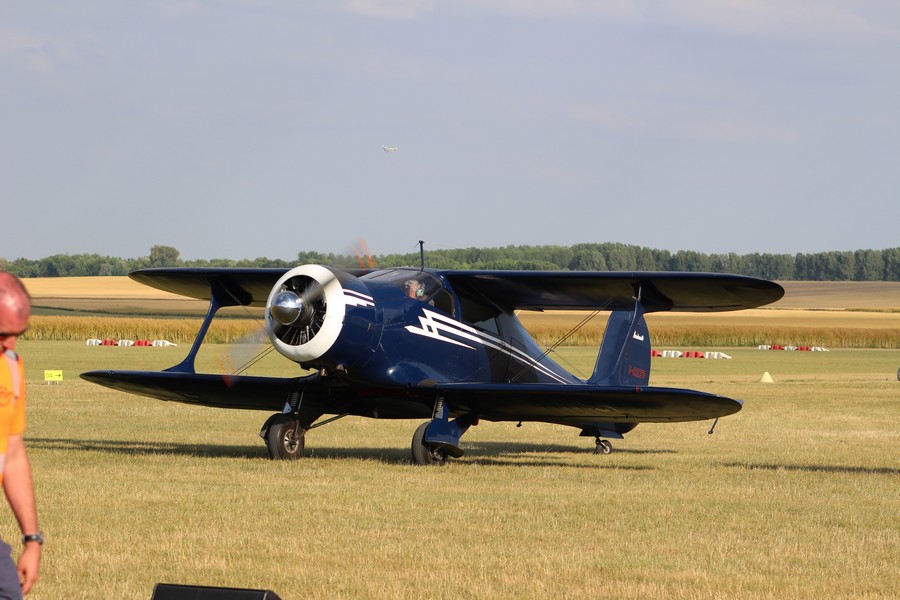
{"x":564,"y":404}
{"x":220,"y":391}
{"x":574,"y":404}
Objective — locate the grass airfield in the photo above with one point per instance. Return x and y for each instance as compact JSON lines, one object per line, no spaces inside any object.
{"x":796,"y":496}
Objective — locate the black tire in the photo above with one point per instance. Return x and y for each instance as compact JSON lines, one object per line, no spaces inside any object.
{"x":603,"y":447}
{"x":282,"y":441}
{"x":422,"y":453}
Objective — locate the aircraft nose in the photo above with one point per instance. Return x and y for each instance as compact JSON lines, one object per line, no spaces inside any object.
{"x":286,"y":307}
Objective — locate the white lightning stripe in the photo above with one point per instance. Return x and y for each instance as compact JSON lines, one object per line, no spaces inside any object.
{"x":352,"y":298}
{"x":521,"y":356}
{"x":432,"y":324}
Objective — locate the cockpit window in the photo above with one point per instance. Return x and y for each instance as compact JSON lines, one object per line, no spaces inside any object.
{"x":421,"y":286}
{"x":425,"y":287}
{"x":413,"y":288}
{"x":479,"y":313}
{"x":418,"y":285}
{"x":388,"y":275}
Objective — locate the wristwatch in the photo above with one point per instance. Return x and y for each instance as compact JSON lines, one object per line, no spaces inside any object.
{"x":33,"y":537}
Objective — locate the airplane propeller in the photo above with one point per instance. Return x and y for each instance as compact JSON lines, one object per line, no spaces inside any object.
{"x":288,"y":308}
{"x":299,"y":308}
{"x":363,"y":254}
{"x":243,"y":354}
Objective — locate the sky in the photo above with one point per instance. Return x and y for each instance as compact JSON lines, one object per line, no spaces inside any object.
{"x":241,"y":129}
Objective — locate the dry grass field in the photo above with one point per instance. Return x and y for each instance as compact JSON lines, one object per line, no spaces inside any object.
{"x":854,"y":295}
{"x":796,"y":496}
{"x":107,"y":295}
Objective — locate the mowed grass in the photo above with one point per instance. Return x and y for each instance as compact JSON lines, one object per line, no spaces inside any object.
{"x":796,"y":496}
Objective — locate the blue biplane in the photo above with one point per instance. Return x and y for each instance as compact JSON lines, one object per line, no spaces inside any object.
{"x":441,"y":345}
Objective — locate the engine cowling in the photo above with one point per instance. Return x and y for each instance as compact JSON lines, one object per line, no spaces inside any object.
{"x":307,"y":317}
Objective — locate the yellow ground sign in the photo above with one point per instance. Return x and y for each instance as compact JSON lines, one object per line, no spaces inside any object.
{"x":55,"y":376}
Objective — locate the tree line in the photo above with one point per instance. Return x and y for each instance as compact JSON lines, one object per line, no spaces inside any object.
{"x":854,"y":265}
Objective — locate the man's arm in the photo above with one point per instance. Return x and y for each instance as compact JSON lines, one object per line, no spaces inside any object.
{"x":19,"y":489}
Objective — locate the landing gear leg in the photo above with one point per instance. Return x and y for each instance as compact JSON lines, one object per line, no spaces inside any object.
{"x":603,"y":446}
{"x":434,"y":441}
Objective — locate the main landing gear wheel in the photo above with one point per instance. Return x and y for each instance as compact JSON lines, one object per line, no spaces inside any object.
{"x":603,"y":447}
{"x":285,"y":439}
{"x":424,"y":454}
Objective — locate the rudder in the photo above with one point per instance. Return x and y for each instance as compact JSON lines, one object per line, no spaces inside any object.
{"x":624,"y":357}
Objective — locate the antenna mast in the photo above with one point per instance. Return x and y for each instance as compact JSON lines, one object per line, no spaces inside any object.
{"x":422,"y":253}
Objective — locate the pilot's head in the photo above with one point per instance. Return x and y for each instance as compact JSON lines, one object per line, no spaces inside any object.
{"x":414,"y":289}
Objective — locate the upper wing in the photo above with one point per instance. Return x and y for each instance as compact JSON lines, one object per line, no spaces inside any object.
{"x":247,"y":286}
{"x":250,"y":287}
{"x":535,"y":290}
{"x":574,"y":404}
{"x":689,"y":292}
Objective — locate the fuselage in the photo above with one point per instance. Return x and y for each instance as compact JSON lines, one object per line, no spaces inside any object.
{"x":408,"y":326}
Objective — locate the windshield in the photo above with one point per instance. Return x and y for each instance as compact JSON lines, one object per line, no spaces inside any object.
{"x":419,"y":285}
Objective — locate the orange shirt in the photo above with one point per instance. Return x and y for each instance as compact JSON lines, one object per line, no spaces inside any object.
{"x":12,"y":403}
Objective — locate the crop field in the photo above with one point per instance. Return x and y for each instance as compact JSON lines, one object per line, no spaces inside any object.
{"x":796,"y":496}
{"x":834,"y":314}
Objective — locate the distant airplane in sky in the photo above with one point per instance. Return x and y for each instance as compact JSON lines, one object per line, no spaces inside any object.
{"x":389,"y":148}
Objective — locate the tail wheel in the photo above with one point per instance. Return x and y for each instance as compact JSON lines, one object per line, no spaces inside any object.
{"x":424,"y":454}
{"x":286,"y":439}
{"x":603,"y":447}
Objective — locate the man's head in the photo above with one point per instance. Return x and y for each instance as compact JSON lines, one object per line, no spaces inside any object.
{"x":15,"y":308}
{"x":414,"y":289}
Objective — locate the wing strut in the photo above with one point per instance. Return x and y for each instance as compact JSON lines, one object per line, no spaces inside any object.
{"x":220,"y":297}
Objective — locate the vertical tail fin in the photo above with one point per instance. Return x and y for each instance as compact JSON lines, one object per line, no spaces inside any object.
{"x":624,"y":357}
